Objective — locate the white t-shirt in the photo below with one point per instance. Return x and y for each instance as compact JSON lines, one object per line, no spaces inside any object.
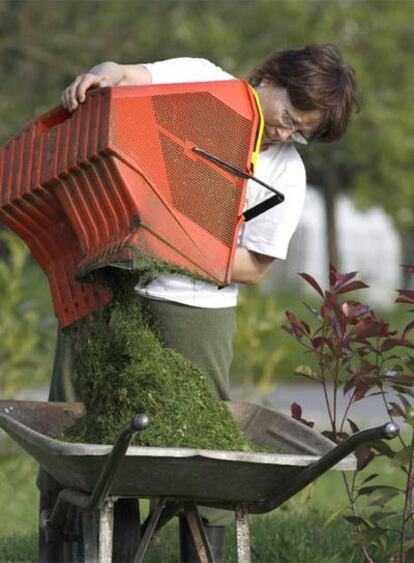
{"x":279,"y":166}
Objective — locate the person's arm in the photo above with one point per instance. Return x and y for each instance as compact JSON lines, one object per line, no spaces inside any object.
{"x":250,"y":267}
{"x":104,"y":74}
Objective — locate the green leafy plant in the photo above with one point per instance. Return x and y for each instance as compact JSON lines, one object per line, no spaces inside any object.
{"x":354,"y":352}
{"x":25,"y":336}
{"x":258,"y":357}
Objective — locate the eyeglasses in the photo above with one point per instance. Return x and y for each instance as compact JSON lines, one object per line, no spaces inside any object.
{"x":289,"y":123}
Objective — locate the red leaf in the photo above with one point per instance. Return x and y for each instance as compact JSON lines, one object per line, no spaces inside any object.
{"x":336,"y":279}
{"x":318,"y":342}
{"x":409,"y":293}
{"x":349,"y":385}
{"x":409,"y":268}
{"x":390,"y":343}
{"x":405,"y":296}
{"x":353,"y":426}
{"x":336,"y":307}
{"x":359,"y":310}
{"x":326,"y":312}
{"x":364,"y":456}
{"x":362,"y":386}
{"x":344,"y":278}
{"x":337,"y":327}
{"x":296,"y":411}
{"x":367,"y":328}
{"x":311,"y":281}
{"x":407,"y":380}
{"x":408,"y":328}
{"x":351,"y":287}
{"x":395,"y":409}
{"x":333,"y":275}
{"x":404,"y":300}
{"x":297,"y":323}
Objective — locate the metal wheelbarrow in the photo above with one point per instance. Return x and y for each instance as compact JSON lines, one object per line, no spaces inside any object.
{"x":177,"y":480}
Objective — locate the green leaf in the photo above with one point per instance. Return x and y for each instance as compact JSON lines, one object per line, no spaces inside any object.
{"x":408,"y":409}
{"x":372,"y":535}
{"x":333,"y":516}
{"x":369,"y":478}
{"x":307,"y":371}
{"x":403,"y":456}
{"x":383,"y":449}
{"x":403,"y":390}
{"x":374,"y":488}
{"x":359,"y":521}
{"x":380,"y":494}
{"x":384,"y":514}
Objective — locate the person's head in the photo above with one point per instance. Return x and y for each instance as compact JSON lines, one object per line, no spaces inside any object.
{"x":307,"y":92}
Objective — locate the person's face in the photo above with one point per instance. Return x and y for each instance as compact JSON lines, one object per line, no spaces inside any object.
{"x":283,"y":123}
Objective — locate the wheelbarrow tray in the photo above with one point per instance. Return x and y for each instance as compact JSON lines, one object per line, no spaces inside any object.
{"x":214,"y":478}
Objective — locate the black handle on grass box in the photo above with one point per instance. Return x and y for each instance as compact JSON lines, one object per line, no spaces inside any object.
{"x":261,"y":207}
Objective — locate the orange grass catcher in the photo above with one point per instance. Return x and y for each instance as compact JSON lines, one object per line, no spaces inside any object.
{"x":134,"y":171}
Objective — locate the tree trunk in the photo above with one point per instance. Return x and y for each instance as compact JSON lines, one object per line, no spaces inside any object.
{"x":330,"y":215}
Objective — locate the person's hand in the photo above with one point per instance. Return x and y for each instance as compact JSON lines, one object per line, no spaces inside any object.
{"x":75,"y":93}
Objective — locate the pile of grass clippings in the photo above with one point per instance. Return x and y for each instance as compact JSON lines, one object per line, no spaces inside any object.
{"x":122,"y":369}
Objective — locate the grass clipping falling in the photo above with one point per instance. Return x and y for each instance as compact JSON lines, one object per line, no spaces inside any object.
{"x":121,"y":369}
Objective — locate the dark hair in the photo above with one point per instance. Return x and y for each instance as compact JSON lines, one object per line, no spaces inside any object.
{"x":316,"y":78}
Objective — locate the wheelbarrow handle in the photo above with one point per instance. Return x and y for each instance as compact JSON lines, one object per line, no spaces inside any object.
{"x":137,"y":423}
{"x":387,"y":431}
{"x":52,"y":521}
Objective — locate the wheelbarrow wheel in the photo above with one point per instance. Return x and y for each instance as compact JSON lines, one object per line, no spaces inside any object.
{"x":125,"y":538}
{"x":126,"y":533}
{"x":70,"y":549}
{"x":48,"y":552}
{"x":126,"y":530}
{"x":72,"y":545}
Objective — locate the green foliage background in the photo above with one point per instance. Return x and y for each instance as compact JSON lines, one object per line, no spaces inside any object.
{"x":26,"y":328}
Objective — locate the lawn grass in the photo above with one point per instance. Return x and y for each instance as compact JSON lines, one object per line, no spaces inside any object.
{"x":18,"y":494}
{"x":18,"y":547}
{"x":282,"y":537}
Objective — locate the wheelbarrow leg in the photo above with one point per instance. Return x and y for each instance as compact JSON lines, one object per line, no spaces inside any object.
{"x":97,"y":533}
{"x":106,"y":522}
{"x":198,"y":532}
{"x":243,"y":535}
{"x":149,"y":530}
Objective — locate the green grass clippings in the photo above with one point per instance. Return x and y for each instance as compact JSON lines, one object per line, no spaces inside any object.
{"x":122,"y":369}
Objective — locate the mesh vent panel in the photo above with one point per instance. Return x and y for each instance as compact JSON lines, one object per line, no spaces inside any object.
{"x":156,"y":131}
{"x":200,"y":193}
{"x":136,"y":134}
{"x":208,"y":122}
